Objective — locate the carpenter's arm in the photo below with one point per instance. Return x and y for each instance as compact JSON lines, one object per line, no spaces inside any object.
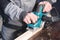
{"x":13,"y":11}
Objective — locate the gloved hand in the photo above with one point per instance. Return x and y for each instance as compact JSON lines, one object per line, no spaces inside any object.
{"x":47,"y":7}
{"x":30,"y":18}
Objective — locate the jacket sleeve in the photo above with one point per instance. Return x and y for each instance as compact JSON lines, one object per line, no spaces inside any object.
{"x":13,"y":11}
{"x":57,"y":6}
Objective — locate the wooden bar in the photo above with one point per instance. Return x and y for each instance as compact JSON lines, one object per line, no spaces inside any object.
{"x":30,"y":34}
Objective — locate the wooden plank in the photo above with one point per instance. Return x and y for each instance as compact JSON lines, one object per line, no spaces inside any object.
{"x":28,"y":35}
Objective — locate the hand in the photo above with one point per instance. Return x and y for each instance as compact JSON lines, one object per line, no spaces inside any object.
{"x":30,"y":17}
{"x":47,"y":7}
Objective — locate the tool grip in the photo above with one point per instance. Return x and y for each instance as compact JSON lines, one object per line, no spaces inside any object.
{"x":39,"y":13}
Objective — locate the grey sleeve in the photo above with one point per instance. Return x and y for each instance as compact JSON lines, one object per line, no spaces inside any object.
{"x":14,"y":12}
{"x":52,"y":1}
